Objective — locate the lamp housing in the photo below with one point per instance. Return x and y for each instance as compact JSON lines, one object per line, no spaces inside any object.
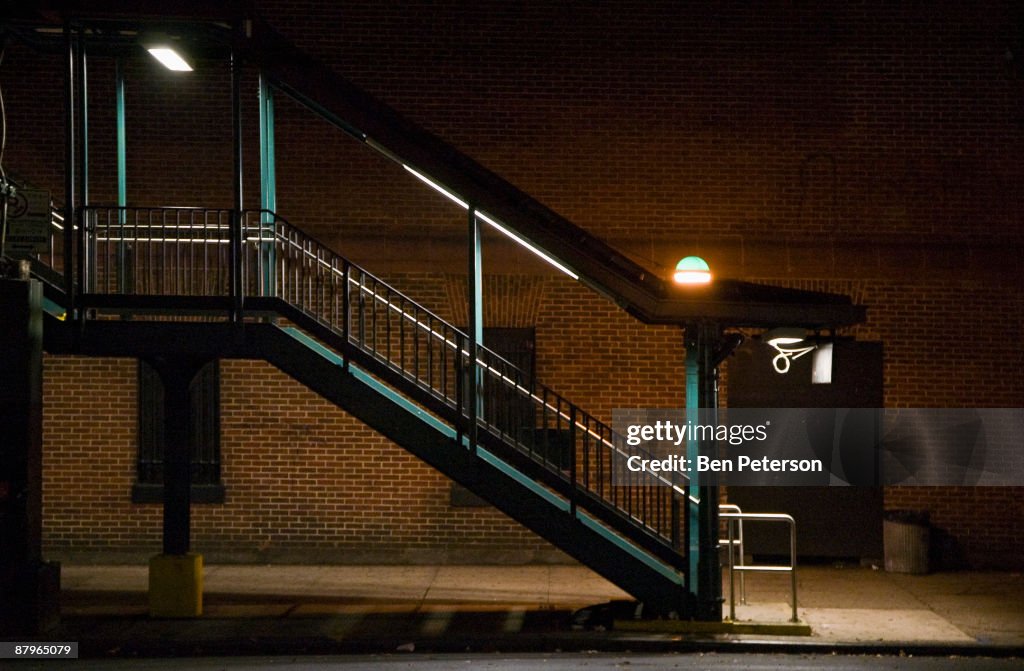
{"x":692,"y":270}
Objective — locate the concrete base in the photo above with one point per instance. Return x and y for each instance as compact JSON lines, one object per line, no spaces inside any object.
{"x":176,"y":585}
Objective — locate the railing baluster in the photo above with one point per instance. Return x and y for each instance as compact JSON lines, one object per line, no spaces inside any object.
{"x":362,"y":312}
{"x":345,"y":307}
{"x":442,"y":371}
{"x":416,"y":346}
{"x":387,"y":329}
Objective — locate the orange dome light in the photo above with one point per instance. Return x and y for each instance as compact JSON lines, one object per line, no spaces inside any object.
{"x":692,"y":270}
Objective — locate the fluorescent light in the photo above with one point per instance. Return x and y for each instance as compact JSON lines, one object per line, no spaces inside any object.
{"x":525,"y":243}
{"x":464,"y":205}
{"x":437,"y":187}
{"x":784,"y":336}
{"x":170,"y":59}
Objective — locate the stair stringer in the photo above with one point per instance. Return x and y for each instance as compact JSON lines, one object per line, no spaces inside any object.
{"x":661,"y":589}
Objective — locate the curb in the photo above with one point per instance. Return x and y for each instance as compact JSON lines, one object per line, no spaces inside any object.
{"x":726,"y":627}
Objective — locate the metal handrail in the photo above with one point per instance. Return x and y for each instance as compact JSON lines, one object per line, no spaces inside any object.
{"x":647,"y":502}
{"x":190,"y":252}
{"x":730,"y":519}
{"x":734,"y":544}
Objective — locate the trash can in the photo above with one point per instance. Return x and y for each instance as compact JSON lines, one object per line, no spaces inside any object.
{"x":906,"y":540}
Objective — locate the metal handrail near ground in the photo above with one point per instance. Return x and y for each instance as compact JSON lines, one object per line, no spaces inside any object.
{"x":734,"y":544}
{"x":731,"y":519}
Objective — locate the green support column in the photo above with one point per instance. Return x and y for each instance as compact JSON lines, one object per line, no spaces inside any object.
{"x":692,"y":450}
{"x":268,"y":185}
{"x":705,"y":577}
{"x":176,"y":575}
{"x":29,"y":587}
{"x":122,"y":175}
{"x":122,"y":141}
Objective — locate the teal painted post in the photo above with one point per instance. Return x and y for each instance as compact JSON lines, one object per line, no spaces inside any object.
{"x":122,"y":142}
{"x":122,"y":175}
{"x":268,"y":186}
{"x":705,"y":580}
{"x":692,"y":450}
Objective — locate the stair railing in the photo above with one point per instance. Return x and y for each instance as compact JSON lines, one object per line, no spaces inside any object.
{"x":186,"y":252}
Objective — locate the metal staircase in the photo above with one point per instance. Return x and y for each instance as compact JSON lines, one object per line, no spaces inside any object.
{"x":245,"y":283}
{"x":403,"y":370}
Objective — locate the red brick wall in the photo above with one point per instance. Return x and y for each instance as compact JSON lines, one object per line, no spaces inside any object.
{"x":863,"y":148}
{"x":89,"y":459}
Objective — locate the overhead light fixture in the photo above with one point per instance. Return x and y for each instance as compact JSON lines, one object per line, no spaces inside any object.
{"x":790,"y":343}
{"x":166,"y":50}
{"x":784,"y":335}
{"x":170,"y":59}
{"x":692,"y":270}
{"x":486,"y":219}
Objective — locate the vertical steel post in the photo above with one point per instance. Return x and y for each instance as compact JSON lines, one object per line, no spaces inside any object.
{"x":572,"y":457}
{"x":732,"y":571}
{"x":85,"y":266}
{"x":702,"y":407}
{"x":69,"y":171}
{"x":475,"y":327}
{"x":346,"y":311}
{"x":268,"y":183}
{"x":237,"y":289}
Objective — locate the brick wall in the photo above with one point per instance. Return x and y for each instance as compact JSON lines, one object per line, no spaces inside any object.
{"x":855,"y":147}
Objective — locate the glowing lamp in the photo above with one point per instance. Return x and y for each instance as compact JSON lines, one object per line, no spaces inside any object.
{"x":169,"y":58}
{"x":784,"y":336}
{"x":692,"y":270}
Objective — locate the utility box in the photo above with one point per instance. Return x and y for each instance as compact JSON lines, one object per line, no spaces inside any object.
{"x":906,"y":537}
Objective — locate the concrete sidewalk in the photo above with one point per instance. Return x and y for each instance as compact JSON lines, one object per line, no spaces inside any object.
{"x":388,"y":608}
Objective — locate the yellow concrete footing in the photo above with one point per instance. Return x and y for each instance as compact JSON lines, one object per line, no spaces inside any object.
{"x":706,"y":628}
{"x":176,"y":585}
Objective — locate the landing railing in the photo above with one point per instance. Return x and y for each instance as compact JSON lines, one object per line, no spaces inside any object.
{"x":189,"y":252}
